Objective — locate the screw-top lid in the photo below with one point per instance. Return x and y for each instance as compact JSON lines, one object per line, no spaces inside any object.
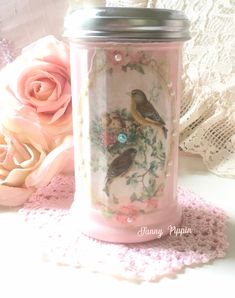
{"x":127,"y":23}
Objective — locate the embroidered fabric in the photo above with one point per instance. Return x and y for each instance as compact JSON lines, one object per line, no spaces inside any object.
{"x":204,"y":239}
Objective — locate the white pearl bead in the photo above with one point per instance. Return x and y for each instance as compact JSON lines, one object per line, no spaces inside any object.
{"x":118,"y":57}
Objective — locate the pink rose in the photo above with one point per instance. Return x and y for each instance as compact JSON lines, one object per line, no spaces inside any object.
{"x":136,"y":57}
{"x":108,"y":138}
{"x":127,"y":214}
{"x":27,"y":159}
{"x":40,"y":79}
{"x":152,"y":202}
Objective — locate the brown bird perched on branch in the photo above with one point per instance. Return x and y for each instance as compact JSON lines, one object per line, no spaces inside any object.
{"x":144,"y":112}
{"x":120,"y":166}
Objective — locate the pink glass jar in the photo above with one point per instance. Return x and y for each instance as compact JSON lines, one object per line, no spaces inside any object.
{"x":125,"y":72}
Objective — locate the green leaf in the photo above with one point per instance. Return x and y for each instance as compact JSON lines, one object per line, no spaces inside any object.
{"x":153,"y":167}
{"x":154,"y":140}
{"x":132,"y":180}
{"x":124,"y":68}
{"x":139,"y":68}
{"x":154,"y":153}
{"x":115,"y":200}
{"x":151,"y":188}
{"x":107,"y":213}
{"x":134,"y":197}
{"x":153,"y":164}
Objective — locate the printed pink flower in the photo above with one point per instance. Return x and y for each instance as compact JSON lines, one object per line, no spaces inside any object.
{"x":145,"y":60}
{"x":152,"y":202}
{"x":136,"y":57}
{"x":127,"y":214}
{"x":108,"y":138}
{"x":40,"y":79}
{"x":117,"y":58}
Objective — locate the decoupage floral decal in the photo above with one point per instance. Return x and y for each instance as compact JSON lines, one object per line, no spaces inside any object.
{"x":130,"y":143}
{"x":116,"y":132}
{"x":121,"y":60}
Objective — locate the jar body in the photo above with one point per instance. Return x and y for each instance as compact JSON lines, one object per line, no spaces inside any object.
{"x":125,"y":118}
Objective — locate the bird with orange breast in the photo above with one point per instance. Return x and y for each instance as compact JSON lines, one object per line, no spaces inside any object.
{"x":144,"y":112}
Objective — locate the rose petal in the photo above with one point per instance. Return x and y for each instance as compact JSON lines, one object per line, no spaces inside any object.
{"x":53,"y":83}
{"x":19,"y":151}
{"x":59,"y":113}
{"x":34,"y":156}
{"x":48,"y":49}
{"x":21,"y":80}
{"x":14,"y":196}
{"x":61,"y":127}
{"x":52,"y":165}
{"x":3,"y":173}
{"x":8,"y":162}
{"x":29,"y":131}
{"x":17,"y":176}
{"x":69,"y":165}
{"x":55,"y":105}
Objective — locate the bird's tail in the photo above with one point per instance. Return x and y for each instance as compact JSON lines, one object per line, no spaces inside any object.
{"x":107,"y":186}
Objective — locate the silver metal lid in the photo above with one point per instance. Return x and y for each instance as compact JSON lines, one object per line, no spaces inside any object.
{"x":126,"y":23}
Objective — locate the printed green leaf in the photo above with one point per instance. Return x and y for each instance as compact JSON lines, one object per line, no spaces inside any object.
{"x":154,"y":140}
{"x":134,"y":197}
{"x":139,"y":68}
{"x":107,"y":213}
{"x":115,"y":200}
{"x":124,"y":68}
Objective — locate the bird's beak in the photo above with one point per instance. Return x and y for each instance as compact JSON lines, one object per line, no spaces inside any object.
{"x":128,"y":93}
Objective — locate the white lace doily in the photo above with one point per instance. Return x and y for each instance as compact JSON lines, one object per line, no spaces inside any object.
{"x":48,"y":214}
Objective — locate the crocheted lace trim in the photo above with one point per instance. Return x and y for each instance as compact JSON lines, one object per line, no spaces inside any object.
{"x":48,"y":213}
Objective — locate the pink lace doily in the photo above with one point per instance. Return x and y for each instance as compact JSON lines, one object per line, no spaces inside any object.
{"x":48,"y":212}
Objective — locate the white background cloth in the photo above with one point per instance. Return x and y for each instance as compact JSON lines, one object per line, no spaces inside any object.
{"x":24,"y":21}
